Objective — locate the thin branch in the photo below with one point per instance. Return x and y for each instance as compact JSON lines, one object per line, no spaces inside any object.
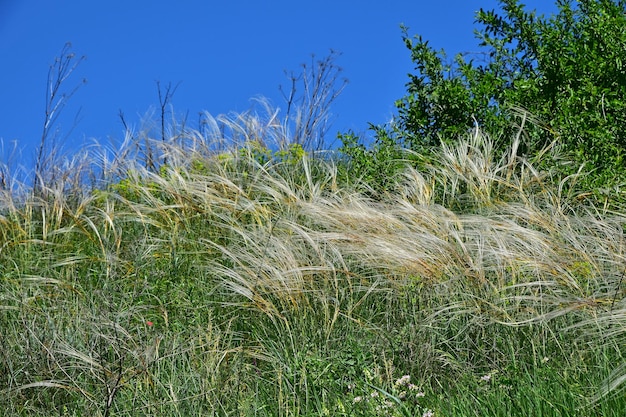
{"x":309,"y":113}
{"x":164,"y":99}
{"x":63,"y":67}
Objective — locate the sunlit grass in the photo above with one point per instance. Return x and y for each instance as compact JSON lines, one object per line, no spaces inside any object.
{"x":242,"y":281}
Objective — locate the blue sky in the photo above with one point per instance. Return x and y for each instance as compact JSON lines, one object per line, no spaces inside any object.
{"x":223,"y":54}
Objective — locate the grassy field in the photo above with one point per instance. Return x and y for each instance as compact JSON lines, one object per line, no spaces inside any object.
{"x":253,"y":283}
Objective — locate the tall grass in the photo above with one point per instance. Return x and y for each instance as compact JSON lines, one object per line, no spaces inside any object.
{"x":243,"y":281}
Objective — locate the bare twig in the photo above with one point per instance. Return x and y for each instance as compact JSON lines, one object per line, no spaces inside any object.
{"x":310,"y":112}
{"x":56,"y":99}
{"x":165,"y":97}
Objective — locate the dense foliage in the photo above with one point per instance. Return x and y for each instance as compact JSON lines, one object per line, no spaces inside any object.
{"x":562,"y":77}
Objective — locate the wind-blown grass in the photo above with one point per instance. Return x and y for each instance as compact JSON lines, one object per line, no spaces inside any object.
{"x":250,"y":282}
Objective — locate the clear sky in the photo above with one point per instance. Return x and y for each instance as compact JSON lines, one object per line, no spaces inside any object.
{"x":223,"y":53}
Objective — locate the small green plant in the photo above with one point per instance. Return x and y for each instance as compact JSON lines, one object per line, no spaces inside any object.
{"x":401,"y":398}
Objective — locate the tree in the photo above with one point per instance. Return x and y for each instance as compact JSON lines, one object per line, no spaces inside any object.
{"x":567,"y":71}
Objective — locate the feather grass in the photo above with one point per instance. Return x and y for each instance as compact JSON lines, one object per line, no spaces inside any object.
{"x":250,"y":280}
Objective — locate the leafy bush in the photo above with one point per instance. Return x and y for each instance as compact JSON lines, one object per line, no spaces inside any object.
{"x":564,"y":73}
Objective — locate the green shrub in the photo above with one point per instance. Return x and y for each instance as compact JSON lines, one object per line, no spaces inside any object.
{"x":561,"y":77}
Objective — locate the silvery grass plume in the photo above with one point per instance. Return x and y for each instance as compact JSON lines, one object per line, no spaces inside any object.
{"x":511,"y":246}
{"x":479,"y":238}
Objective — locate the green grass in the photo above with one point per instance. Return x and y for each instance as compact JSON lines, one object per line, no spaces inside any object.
{"x":247,"y":283}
